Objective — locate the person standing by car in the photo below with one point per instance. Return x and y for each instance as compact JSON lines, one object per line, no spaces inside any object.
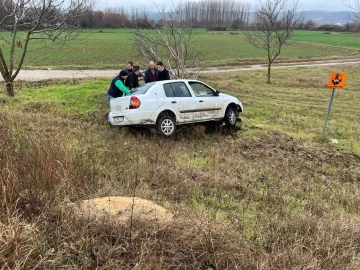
{"x":151,"y":74}
{"x":125,"y":72}
{"x":117,"y":88}
{"x":132,"y":80}
{"x":163,"y":73}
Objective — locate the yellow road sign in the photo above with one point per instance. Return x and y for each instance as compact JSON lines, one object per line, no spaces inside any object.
{"x":337,"y":80}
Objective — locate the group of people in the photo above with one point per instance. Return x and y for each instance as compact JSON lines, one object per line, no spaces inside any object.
{"x":128,"y":78}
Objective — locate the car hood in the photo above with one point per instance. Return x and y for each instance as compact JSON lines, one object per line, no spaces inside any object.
{"x":224,"y":95}
{"x":228,"y":97}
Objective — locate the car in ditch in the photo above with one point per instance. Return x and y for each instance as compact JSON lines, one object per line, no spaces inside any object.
{"x":167,"y":104}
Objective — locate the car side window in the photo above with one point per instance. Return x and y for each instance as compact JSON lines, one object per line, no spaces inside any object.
{"x":176,"y":89}
{"x":169,"y":92}
{"x":201,"y":89}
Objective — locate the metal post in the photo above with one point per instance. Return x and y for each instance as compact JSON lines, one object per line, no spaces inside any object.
{"x":328,"y":110}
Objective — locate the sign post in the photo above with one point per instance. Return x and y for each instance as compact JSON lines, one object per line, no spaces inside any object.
{"x":336,"y":80}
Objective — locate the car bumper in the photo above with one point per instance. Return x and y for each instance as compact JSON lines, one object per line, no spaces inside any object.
{"x":121,"y":119}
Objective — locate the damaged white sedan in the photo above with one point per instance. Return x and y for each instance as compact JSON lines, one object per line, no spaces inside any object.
{"x":167,"y":104}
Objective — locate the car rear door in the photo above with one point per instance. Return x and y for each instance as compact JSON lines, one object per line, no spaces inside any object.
{"x":209,"y":104}
{"x":182,"y":102}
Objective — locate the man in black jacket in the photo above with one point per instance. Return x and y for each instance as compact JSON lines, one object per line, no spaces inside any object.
{"x":163,"y":72}
{"x":125,"y":72}
{"x":132,"y":80}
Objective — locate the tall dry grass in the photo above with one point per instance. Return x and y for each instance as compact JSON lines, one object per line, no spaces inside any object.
{"x":38,"y":173}
{"x":270,"y":202}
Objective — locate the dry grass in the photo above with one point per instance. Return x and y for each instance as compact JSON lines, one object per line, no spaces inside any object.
{"x":255,"y":198}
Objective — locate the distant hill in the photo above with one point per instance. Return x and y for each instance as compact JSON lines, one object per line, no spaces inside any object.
{"x":328,"y":17}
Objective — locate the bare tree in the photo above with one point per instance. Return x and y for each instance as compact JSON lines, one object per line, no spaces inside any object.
{"x":309,"y":25}
{"x":172,"y":43}
{"x":215,"y":13}
{"x":25,"y":20}
{"x":354,"y":5}
{"x":273,"y":26}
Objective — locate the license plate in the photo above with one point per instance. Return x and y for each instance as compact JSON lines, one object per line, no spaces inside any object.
{"x":118,"y":119}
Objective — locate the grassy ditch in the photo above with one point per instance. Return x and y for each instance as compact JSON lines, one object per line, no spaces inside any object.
{"x":272,"y":195}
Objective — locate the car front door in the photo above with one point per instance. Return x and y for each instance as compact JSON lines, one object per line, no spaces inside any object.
{"x":209,"y":105}
{"x":180,"y":99}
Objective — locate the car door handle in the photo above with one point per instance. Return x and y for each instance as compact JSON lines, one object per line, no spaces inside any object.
{"x":173,"y":101}
{"x":201,"y":101}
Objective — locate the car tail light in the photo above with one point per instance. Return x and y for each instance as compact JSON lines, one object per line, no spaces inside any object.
{"x":134,"y":103}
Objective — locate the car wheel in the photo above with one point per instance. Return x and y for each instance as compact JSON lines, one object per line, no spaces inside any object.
{"x":166,"y":125}
{"x":230,"y":116}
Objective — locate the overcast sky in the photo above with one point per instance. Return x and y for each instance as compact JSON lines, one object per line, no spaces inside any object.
{"x":328,"y":5}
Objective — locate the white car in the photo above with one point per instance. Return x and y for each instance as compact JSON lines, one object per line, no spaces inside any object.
{"x":166,"y":104}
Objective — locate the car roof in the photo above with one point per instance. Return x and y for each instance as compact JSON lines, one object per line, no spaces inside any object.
{"x":176,"y":80}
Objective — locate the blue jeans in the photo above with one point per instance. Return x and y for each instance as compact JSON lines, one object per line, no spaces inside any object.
{"x":108,"y":97}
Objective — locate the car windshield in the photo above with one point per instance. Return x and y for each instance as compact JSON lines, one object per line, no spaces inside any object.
{"x":142,"y":89}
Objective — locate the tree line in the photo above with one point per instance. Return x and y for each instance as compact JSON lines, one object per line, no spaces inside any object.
{"x":353,"y":27}
{"x":209,"y":14}
{"x":203,"y":14}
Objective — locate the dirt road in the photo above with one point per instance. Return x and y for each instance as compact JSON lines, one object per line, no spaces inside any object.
{"x":38,"y":75}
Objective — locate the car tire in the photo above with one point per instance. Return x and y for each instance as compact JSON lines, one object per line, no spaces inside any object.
{"x":230,"y":116}
{"x":166,"y":125}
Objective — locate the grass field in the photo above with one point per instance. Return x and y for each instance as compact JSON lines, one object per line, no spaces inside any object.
{"x":334,"y":39}
{"x":272,"y":195}
{"x":113,"y":48}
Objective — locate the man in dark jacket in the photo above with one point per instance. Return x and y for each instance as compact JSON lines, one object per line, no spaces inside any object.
{"x":117,"y":88}
{"x":151,"y":74}
{"x":132,"y":80}
{"x":125,"y":72}
{"x":163,"y":73}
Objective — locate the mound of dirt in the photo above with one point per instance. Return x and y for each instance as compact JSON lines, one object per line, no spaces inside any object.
{"x":122,"y":209}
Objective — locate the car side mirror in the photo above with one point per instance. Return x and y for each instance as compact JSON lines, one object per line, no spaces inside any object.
{"x":216,"y":93}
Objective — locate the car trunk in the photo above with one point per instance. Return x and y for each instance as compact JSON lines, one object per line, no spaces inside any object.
{"x":120,"y":104}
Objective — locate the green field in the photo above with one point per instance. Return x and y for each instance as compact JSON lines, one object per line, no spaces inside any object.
{"x":333,"y":39}
{"x":272,"y":195}
{"x":113,"y":48}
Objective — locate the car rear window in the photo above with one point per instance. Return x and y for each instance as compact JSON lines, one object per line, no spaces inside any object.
{"x":176,"y":89}
{"x":142,"y":89}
